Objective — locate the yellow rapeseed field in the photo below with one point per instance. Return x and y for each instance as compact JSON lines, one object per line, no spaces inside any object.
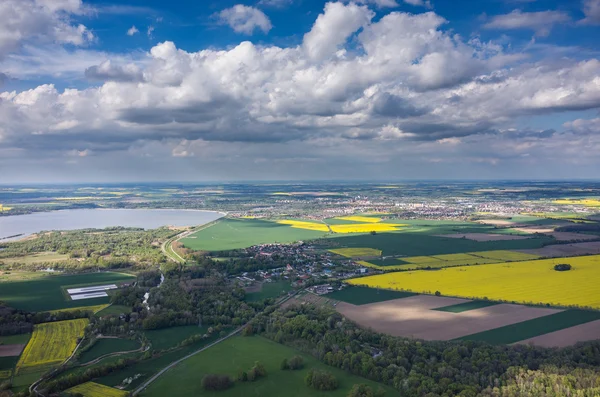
{"x":366,"y":228}
{"x":586,"y":202}
{"x":321,"y":227}
{"x":356,"y":252}
{"x":357,"y":218}
{"x":92,"y":389}
{"x":5,"y":374}
{"x":3,"y":208}
{"x":93,"y":309}
{"x":52,"y":343}
{"x":350,"y":228}
{"x":524,"y":282}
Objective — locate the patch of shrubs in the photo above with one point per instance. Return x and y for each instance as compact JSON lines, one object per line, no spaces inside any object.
{"x":216,"y":382}
{"x":562,"y":267}
{"x":294,"y":363}
{"x":362,"y":390}
{"x":257,"y":371}
{"x":321,"y":380}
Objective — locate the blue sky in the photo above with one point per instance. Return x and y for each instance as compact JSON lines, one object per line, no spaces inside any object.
{"x":298,"y":89}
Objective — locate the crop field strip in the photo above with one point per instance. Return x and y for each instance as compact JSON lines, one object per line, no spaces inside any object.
{"x":529,"y":282}
{"x":410,"y":244}
{"x":47,"y":293}
{"x":362,"y":295}
{"x":91,"y":389}
{"x":448,"y":260}
{"x":539,"y":326}
{"x":416,"y":317}
{"x":51,"y":343}
{"x":465,"y":307}
{"x":105,"y":346}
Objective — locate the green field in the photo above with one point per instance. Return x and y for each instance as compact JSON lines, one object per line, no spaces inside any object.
{"x":147,"y":368}
{"x":538,"y":326}
{"x":8,"y":362}
{"x":269,"y":290}
{"x":364,"y":295}
{"x":41,"y":294}
{"x":15,"y":339}
{"x":114,"y":310}
{"x":167,"y":338}
{"x":241,"y":353}
{"x":465,"y":307}
{"x":417,"y":244}
{"x":107,"y":346}
{"x":228,"y":234}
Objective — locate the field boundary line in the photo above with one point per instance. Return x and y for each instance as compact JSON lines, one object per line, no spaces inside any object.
{"x":167,"y":246}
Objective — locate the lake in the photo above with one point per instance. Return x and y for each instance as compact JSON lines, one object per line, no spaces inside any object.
{"x":24,"y":225}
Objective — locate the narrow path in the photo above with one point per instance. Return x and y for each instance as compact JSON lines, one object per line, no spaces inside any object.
{"x":94,"y":361}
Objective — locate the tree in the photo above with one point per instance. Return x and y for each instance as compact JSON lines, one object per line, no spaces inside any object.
{"x":296,"y":362}
{"x":284,"y":364}
{"x":361,"y":390}
{"x":216,"y":382}
{"x":562,"y":267}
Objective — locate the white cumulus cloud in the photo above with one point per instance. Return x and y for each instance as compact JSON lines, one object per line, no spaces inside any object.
{"x":245,"y":19}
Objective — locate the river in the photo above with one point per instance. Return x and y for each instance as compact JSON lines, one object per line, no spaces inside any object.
{"x":19,"y":226}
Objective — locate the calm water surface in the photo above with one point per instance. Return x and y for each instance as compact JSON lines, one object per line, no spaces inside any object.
{"x":25,"y":225}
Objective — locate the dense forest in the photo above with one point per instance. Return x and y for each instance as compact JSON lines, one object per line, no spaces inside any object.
{"x":432,"y":369}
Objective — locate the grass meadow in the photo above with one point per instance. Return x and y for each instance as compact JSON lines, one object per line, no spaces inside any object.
{"x":241,"y":353}
{"x":363,"y":295}
{"x":106,"y":346}
{"x":269,"y":290}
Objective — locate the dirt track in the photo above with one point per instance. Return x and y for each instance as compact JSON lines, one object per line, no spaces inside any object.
{"x":568,"y":336}
{"x":11,"y":350}
{"x":413,"y":317}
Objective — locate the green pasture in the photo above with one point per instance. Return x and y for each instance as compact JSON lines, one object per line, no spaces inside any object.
{"x":8,"y":362}
{"x":240,"y":353}
{"x":417,"y":244}
{"x":365,"y":295}
{"x":114,"y":310}
{"x":46,"y":293}
{"x":167,"y":338}
{"x":538,"y":326}
{"x":147,"y":368}
{"x":465,"y":307}
{"x":106,"y":346}
{"x":228,"y":234}
{"x":15,"y":339}
{"x":269,"y":290}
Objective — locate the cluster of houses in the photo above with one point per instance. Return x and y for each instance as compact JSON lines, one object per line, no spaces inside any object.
{"x":304,"y":266}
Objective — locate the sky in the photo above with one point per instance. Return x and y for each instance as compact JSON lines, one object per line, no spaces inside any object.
{"x":207,"y":90}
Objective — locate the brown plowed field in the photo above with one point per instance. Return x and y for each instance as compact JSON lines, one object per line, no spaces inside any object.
{"x":413,"y":317}
{"x":567,"y":336}
{"x":11,"y":350}
{"x":558,"y":250}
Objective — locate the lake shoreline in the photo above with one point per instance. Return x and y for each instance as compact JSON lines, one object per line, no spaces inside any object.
{"x":20,"y":227}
